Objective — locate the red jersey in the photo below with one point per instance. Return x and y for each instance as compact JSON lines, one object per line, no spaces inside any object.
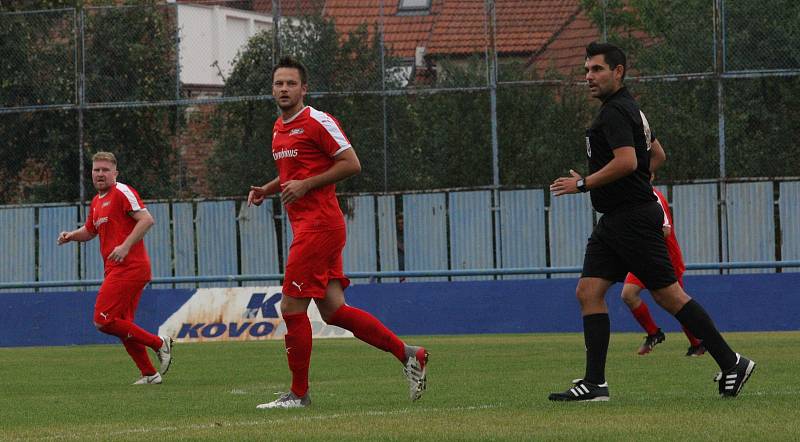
{"x":109,"y":217}
{"x":674,"y":250}
{"x":305,"y":146}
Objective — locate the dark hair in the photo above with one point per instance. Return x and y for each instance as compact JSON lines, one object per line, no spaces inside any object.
{"x":612,"y":55}
{"x":288,"y":61}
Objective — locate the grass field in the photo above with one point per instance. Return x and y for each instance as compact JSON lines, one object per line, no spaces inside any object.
{"x":480,"y":387}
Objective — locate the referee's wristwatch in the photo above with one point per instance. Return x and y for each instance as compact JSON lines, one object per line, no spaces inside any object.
{"x":581,"y":184}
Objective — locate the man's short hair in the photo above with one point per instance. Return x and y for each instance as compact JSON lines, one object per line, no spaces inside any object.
{"x":105,"y":156}
{"x":288,"y":61}
{"x":612,"y":55}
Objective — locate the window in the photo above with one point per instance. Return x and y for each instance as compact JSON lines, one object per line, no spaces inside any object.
{"x":414,"y":5}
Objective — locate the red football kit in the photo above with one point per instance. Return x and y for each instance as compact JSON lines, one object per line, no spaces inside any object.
{"x":305,"y":146}
{"x":109,"y":218}
{"x":674,"y":250}
{"x":118,"y":297}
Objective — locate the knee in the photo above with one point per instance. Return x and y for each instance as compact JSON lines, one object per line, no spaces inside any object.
{"x":629,"y":297}
{"x":583,"y":294}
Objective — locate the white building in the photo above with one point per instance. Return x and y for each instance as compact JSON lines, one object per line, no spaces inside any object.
{"x":210,"y":39}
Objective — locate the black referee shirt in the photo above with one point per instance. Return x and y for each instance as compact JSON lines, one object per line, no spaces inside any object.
{"x":619,"y":124}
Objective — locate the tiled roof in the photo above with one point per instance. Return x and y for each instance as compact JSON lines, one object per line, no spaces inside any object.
{"x":459,"y":27}
{"x":402,"y":33}
{"x":566,"y":50}
{"x":289,"y":8}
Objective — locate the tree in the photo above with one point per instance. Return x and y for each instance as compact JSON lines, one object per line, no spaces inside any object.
{"x":129,"y":57}
{"x":676,"y":37}
{"x":243,"y":130}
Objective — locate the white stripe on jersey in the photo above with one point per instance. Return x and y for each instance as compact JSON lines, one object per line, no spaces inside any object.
{"x":332,"y":129}
{"x":663,"y":209}
{"x":131,"y":197}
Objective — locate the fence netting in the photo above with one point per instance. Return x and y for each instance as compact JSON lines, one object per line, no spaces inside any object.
{"x":432,"y":93}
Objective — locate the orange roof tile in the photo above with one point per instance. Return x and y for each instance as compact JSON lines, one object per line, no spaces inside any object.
{"x":566,"y":50}
{"x":459,"y":27}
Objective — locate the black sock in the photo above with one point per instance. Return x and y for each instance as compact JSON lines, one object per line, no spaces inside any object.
{"x":596,"y":332}
{"x":695,"y":318}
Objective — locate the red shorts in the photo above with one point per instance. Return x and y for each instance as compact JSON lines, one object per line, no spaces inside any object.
{"x":118,"y":299}
{"x":632,"y":279}
{"x":314,"y":259}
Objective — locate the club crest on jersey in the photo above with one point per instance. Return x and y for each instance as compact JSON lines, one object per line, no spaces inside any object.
{"x":297,"y":131}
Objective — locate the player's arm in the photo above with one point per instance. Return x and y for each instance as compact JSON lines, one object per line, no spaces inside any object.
{"x":345,"y":165}
{"x":258,"y":194}
{"x":80,"y":235}
{"x":143,"y":223}
{"x":657,"y":156}
{"x":623,"y":164}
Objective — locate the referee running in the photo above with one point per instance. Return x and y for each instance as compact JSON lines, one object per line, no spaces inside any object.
{"x":628,"y":236}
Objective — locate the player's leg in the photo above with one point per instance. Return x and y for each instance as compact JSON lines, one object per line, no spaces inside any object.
{"x":298,"y":342}
{"x":696,"y":347}
{"x":596,"y":334}
{"x":138,"y":352}
{"x":301,"y":283}
{"x":366,"y":327}
{"x":113,"y":302}
{"x":164,"y":351}
{"x":113,"y":314}
{"x":736,"y":369}
{"x":630,"y":295}
{"x":362,"y":324}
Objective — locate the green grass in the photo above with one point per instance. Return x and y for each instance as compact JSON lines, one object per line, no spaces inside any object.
{"x":486,"y":387}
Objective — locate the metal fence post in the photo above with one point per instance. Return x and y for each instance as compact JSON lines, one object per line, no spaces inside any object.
{"x":491,"y":61}
{"x":719,"y":70}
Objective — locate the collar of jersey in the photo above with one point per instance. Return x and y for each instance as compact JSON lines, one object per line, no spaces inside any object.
{"x":290,"y":119}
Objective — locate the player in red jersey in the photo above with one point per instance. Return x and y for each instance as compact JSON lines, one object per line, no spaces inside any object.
{"x":312,"y":153}
{"x":118,"y":215}
{"x":633,"y":287}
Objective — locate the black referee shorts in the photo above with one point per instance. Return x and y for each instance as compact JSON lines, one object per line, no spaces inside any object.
{"x":630,"y":240}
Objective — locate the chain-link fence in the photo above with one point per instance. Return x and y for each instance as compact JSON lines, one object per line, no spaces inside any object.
{"x":432,"y":93}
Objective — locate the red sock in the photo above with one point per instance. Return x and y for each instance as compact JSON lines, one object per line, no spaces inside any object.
{"x":369,"y":329}
{"x":692,"y":338}
{"x":298,"y":350}
{"x":138,"y":353}
{"x":642,"y":315}
{"x":128,"y":331}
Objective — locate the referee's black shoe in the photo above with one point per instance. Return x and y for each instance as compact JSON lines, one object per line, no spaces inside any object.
{"x":732,"y":380}
{"x":582,"y":391}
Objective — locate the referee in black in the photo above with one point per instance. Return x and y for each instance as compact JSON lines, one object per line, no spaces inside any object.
{"x":628,"y":236}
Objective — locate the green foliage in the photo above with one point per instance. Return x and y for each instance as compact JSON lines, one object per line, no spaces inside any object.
{"x":129,"y":57}
{"x":677,"y":37}
{"x":243,"y":130}
{"x":38,"y":69}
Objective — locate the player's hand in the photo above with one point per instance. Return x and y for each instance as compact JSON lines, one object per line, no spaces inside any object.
{"x":667,"y":230}
{"x":293,"y":190}
{"x":64,"y":237}
{"x":566,"y":185}
{"x":256,"y":196}
{"x":119,"y":253}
